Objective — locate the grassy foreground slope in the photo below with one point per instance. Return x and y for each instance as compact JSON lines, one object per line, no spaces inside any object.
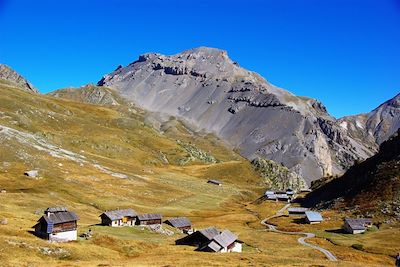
{"x":91,"y":158}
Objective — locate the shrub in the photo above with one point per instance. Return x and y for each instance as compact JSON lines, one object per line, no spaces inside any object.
{"x":358,"y":246}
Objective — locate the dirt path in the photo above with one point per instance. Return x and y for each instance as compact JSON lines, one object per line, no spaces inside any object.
{"x":329,"y":255}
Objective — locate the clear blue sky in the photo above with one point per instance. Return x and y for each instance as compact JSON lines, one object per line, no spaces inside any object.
{"x":345,"y":53}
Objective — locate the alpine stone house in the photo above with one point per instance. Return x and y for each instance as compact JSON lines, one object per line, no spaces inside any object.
{"x":115,"y":218}
{"x":57,"y":224}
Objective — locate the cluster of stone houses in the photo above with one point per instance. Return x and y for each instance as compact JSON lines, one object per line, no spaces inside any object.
{"x":350,"y":225}
{"x":59,"y":224}
{"x":129,"y":217}
{"x":285,"y":195}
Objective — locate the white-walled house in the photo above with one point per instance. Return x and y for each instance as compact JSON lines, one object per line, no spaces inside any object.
{"x":57,"y":224}
{"x":116,"y":218}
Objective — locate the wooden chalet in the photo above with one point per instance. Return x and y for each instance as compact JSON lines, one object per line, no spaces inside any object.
{"x":181,"y":223}
{"x":199,"y":238}
{"x":212,"y":240}
{"x":297,"y":211}
{"x":313,"y":217}
{"x":224,"y":242}
{"x":149,"y":219}
{"x":57,"y":224}
{"x":215,"y":182}
{"x":115,"y":218}
{"x":356,"y":226}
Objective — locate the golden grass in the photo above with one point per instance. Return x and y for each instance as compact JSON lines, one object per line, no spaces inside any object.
{"x":120,"y":141}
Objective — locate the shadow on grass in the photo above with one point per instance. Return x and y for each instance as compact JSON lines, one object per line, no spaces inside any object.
{"x":299,"y":220}
{"x":336,"y":231}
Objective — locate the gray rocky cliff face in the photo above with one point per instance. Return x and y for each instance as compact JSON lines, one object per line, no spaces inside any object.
{"x":8,"y":74}
{"x":205,"y":88}
{"x":376,"y":126}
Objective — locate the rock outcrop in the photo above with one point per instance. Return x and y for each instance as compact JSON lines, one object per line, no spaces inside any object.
{"x":10,"y":75}
{"x":376,"y":126}
{"x":90,"y":94}
{"x":205,"y":88}
{"x":369,"y":188}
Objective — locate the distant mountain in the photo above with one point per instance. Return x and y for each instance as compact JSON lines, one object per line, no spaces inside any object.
{"x":209,"y":91}
{"x":10,"y":75}
{"x":370,"y":187}
{"x":378,"y":125}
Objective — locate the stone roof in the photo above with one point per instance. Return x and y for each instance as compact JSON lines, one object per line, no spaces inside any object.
{"x":314,"y":216}
{"x":119,"y":214}
{"x":55,"y":209}
{"x":357,"y":224}
{"x":209,"y":233}
{"x":225,"y":238}
{"x":179,"y":222}
{"x":60,"y":217}
{"x":149,"y":216}
{"x":297,"y":209}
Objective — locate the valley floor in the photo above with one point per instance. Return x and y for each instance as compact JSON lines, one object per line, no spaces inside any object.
{"x":206,"y":205}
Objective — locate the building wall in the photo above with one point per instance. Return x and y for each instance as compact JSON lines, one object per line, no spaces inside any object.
{"x":63,"y":227}
{"x":148,"y":222}
{"x":64,"y":236}
{"x":237,"y":247}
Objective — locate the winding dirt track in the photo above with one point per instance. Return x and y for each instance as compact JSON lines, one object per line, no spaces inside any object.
{"x":329,"y":255}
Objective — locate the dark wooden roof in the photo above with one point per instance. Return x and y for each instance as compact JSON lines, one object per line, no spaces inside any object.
{"x":149,"y":216}
{"x":60,"y":217}
{"x":179,"y":222}
{"x":119,"y":214}
{"x":357,"y":224}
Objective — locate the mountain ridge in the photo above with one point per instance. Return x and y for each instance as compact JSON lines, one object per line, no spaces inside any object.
{"x":205,"y":87}
{"x":10,"y":75}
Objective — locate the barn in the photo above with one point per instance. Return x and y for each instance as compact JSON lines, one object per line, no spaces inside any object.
{"x":57,"y":224}
{"x":313,"y":217}
{"x":297,"y":211}
{"x":212,"y":240}
{"x":224,"y":242}
{"x":356,"y":226}
{"x":149,"y":219}
{"x":181,"y":223}
{"x":115,"y":218}
{"x":198,"y":238}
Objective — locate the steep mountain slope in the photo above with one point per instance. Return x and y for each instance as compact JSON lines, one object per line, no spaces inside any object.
{"x":10,"y":75}
{"x":209,"y":91}
{"x":370,"y":187}
{"x":274,"y":175}
{"x":377,"y":125}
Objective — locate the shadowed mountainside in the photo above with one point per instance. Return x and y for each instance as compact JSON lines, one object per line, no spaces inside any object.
{"x":369,"y":187}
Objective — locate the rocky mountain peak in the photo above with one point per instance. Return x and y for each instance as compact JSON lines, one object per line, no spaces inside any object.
{"x":10,"y":75}
{"x":206,"y":89}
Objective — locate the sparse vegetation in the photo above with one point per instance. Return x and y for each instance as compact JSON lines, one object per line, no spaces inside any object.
{"x":277,"y":176}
